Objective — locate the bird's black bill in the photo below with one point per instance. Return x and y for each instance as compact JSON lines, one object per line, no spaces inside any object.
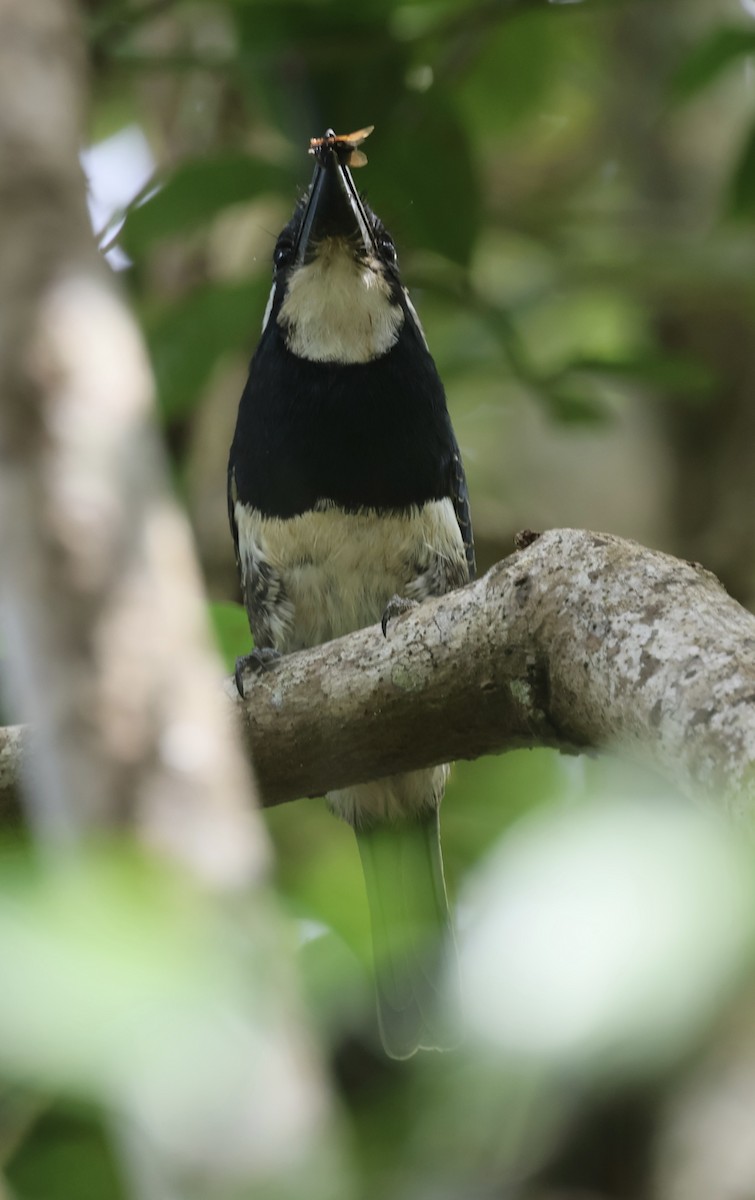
{"x":334,"y":208}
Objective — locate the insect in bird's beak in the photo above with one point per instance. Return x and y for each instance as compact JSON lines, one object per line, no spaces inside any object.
{"x":345,"y":145}
{"x":334,"y":207}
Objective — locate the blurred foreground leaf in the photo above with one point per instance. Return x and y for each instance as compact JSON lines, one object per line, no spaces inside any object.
{"x":709,"y":58}
{"x":126,"y":986}
{"x":607,"y":938}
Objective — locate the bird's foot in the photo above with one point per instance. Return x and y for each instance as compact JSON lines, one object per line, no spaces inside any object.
{"x":262,"y":659}
{"x":396,"y":607}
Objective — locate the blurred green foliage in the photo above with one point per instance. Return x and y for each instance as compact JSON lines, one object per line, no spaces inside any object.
{"x":709,"y":57}
{"x":506,"y":159}
{"x":231,"y":629}
{"x":195,"y":193}
{"x":65,"y":1153}
{"x":743,"y":181}
{"x":569,"y":185}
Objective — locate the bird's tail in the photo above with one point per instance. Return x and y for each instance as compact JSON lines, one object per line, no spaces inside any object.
{"x":415,"y":956}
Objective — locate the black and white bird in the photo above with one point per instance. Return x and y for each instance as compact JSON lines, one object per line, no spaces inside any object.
{"x":345,"y":490}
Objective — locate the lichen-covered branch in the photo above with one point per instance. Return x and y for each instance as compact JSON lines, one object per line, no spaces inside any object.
{"x":579,"y":641}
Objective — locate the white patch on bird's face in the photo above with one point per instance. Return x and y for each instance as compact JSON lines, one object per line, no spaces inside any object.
{"x":338,"y":309}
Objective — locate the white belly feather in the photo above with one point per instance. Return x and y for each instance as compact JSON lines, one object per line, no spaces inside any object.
{"x":339,"y":569}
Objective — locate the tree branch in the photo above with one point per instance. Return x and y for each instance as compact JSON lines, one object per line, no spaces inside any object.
{"x":578,"y":641}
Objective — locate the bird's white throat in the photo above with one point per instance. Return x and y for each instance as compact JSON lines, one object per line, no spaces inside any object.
{"x":337,"y":309}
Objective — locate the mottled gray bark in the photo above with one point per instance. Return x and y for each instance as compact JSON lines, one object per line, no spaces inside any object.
{"x":580,"y":641}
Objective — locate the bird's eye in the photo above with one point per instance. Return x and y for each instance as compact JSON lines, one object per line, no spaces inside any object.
{"x":282,"y":254}
{"x":387,"y":249}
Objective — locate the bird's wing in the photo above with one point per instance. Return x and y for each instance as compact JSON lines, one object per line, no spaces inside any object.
{"x":460,"y":497}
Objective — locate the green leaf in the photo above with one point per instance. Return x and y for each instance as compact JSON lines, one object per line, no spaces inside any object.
{"x":709,"y":59}
{"x":142,"y":940}
{"x":673,"y":372}
{"x":187,"y":340}
{"x":231,"y":626}
{"x":742,"y":185}
{"x":196,"y":192}
{"x":643,"y":983}
{"x":124,"y":983}
{"x":65,"y":1143}
{"x":577,"y":402}
{"x":349,"y":69}
{"x":519,"y":63}
{"x":424,"y":180}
